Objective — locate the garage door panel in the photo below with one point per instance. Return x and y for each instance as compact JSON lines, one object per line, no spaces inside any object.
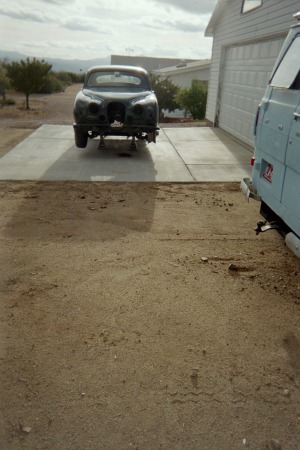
{"x":246,"y":73}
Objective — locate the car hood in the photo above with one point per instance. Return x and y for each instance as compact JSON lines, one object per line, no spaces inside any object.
{"x":113,"y":95}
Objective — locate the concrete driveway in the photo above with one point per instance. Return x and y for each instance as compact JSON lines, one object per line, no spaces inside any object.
{"x":180,"y":155}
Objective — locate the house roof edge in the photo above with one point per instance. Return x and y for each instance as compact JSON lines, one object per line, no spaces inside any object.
{"x":209,"y":31}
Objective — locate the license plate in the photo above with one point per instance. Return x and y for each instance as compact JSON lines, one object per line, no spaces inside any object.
{"x":116,"y":124}
{"x":268,"y":173}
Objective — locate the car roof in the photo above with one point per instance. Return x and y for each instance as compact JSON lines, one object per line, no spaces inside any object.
{"x":118,"y":68}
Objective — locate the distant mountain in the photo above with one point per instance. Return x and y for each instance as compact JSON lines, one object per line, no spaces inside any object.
{"x":11,"y":56}
{"x":68,"y":65}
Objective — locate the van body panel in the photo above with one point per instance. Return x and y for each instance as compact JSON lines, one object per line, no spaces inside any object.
{"x":293,"y":150}
{"x":291,"y":186}
{"x":291,"y":198}
{"x":276,"y":171}
{"x":277,"y":114}
{"x":272,"y":140}
{"x":269,"y":191}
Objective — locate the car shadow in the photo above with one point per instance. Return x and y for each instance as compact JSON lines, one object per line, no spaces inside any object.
{"x":51,"y":211}
{"x":102,"y":188}
{"x":116,"y":161}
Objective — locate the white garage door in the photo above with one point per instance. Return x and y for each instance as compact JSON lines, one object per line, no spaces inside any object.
{"x":247,"y":69}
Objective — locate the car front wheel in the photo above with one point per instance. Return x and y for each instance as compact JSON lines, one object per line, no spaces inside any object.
{"x":81,"y":137}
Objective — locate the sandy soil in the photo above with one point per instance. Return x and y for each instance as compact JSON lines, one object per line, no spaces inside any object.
{"x":142,"y":316}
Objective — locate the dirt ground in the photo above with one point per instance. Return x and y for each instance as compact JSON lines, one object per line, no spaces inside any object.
{"x":142,"y":316}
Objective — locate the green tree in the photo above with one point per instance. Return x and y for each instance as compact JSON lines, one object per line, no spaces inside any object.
{"x":4,"y":81}
{"x":28,"y":76}
{"x":166,"y":92}
{"x":193,"y":99}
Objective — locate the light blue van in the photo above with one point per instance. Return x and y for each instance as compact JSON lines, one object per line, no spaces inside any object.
{"x":276,"y":161}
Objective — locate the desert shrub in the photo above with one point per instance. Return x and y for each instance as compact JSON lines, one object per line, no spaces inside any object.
{"x":4,"y":81}
{"x":51,"y":84}
{"x":58,"y":81}
{"x":193,"y":99}
{"x":64,"y":77}
{"x":76,"y":77}
{"x":166,"y":93}
{"x":7,"y":102}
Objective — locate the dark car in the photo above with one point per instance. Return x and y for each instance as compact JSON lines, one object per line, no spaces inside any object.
{"x":115,"y":101}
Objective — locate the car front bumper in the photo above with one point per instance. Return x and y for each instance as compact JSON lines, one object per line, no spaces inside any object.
{"x":124,"y":130}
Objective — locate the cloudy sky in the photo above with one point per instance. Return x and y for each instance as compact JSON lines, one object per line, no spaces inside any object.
{"x":89,"y":29}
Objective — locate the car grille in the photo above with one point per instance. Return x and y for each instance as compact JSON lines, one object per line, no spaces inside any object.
{"x":116,"y":112}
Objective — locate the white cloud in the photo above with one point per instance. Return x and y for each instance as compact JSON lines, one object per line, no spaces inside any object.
{"x":89,"y":24}
{"x":65,"y":28}
{"x":33,"y":15}
{"x":192,"y":6}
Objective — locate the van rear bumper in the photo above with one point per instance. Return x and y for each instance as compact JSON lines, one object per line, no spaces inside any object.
{"x":247,"y":191}
{"x":293,"y":243}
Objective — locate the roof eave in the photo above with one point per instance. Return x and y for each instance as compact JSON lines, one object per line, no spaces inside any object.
{"x":209,"y":31}
{"x":177,"y":70}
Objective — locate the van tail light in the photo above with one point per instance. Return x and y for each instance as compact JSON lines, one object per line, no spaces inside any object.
{"x":256,"y":120}
{"x":252,"y":161}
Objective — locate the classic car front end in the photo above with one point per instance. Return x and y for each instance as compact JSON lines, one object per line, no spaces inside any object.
{"x":115,"y":101}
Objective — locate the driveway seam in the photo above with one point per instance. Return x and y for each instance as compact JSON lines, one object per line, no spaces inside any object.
{"x":179,"y":155}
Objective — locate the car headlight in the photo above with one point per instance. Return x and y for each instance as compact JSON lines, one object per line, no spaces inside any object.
{"x":93,"y":107}
{"x":81,"y":103}
{"x":150,"y":113}
{"x":138,"y":109}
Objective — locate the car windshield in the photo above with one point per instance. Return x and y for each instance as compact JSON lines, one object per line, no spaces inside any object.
{"x":117,"y":79}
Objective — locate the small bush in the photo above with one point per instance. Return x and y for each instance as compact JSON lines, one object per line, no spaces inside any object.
{"x":7,"y":102}
{"x":76,"y":78}
{"x":51,"y":84}
{"x":193,"y":99}
{"x":63,"y":77}
{"x":166,"y":92}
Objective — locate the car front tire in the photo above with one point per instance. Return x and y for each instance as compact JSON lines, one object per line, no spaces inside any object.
{"x":81,"y":137}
